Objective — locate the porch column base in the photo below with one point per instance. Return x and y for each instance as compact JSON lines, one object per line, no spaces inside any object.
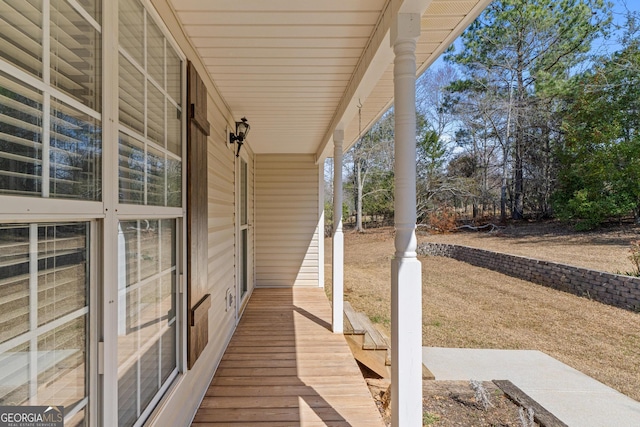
{"x":406,"y":338}
{"x":338,"y":283}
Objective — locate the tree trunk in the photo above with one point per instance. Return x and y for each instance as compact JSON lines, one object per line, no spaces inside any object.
{"x":359,"y":184}
{"x":518,"y":184}
{"x":505,"y":159}
{"x":518,"y":177}
{"x":548,"y":174}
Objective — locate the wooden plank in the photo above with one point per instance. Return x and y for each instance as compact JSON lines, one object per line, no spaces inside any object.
{"x":285,"y":367}
{"x":197,"y":216}
{"x":298,"y":370}
{"x":279,"y":401}
{"x":427,"y":374}
{"x":353,"y":318}
{"x":293,"y":415}
{"x":285,"y":381}
{"x":373,"y":338}
{"x":301,"y":358}
{"x":274,"y":424}
{"x":293,"y":362}
{"x":543,"y":417}
{"x":372,"y":359}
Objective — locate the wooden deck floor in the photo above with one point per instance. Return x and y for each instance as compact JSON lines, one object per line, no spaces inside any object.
{"x":284,"y":367}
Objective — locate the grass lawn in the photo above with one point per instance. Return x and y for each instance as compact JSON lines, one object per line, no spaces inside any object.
{"x":471,"y":307}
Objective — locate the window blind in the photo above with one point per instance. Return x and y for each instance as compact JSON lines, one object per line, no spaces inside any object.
{"x":150,"y":152}
{"x":21,"y":34}
{"x":75,"y":55}
{"x":65,"y":160}
{"x":20,"y":137}
{"x":44,"y":351}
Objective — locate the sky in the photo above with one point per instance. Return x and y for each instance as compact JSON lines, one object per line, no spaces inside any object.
{"x":619,"y":12}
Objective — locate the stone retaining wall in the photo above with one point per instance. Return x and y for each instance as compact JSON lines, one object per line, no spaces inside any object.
{"x":613,"y":289}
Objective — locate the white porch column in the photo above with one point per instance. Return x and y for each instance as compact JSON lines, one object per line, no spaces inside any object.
{"x":406,"y":273}
{"x":337,"y":291}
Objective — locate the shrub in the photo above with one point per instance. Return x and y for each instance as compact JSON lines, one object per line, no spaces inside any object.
{"x":442,"y":220}
{"x":634,"y":257}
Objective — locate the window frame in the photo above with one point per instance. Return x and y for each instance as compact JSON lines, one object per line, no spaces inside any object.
{"x":103,"y":215}
{"x":39,"y":209}
{"x":243,"y":231}
{"x":126,"y":211}
{"x":40,"y":204}
{"x":92,"y":311}
{"x":49,"y":91}
{"x":177,"y":371}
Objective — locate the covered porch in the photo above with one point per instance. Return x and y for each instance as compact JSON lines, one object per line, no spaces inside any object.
{"x":310,"y":78}
{"x":284,"y":367}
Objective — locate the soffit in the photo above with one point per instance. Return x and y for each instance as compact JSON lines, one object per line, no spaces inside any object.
{"x":291,"y":66}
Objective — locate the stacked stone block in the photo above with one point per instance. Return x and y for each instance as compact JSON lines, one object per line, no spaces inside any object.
{"x":613,"y":289}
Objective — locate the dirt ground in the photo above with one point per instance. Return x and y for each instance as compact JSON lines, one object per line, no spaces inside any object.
{"x":470,"y":307}
{"x":454,"y":404}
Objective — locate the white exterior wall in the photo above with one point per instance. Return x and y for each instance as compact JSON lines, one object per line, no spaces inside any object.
{"x":288,"y":222}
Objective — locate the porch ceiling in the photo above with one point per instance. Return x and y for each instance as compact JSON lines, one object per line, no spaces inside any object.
{"x":297,"y":68}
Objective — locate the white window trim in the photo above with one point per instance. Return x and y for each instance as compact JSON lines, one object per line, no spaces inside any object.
{"x":122,"y":211}
{"x":241,"y":301}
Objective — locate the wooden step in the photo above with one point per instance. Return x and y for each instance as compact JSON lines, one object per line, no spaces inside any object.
{"x":368,"y":345}
{"x":352,"y":324}
{"x":372,"y":359}
{"x":373,"y":339}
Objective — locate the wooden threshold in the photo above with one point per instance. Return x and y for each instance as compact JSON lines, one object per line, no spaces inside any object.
{"x":284,"y":367}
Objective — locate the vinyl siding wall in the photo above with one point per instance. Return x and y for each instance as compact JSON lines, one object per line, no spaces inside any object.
{"x":288,"y":225}
{"x":182,"y":401}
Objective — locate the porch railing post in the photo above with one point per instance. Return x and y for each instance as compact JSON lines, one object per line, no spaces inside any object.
{"x":406,"y":271}
{"x":337,"y":290}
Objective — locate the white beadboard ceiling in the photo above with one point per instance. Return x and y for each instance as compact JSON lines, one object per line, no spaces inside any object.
{"x":297,"y":68}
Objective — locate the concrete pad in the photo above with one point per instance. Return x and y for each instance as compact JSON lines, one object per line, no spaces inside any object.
{"x":570,"y":395}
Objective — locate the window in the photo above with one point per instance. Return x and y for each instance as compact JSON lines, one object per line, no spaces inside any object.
{"x":50,"y":99}
{"x":54,"y":248}
{"x":150,"y":142}
{"x":149,"y":174}
{"x":147,"y":358}
{"x":44,"y":316}
{"x":244,"y":230}
{"x":50,"y":148}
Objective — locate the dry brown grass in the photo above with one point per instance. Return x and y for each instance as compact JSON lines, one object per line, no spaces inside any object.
{"x":471,"y":307}
{"x":603,"y":250}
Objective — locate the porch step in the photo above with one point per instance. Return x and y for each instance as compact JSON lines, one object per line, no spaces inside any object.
{"x":352,"y":324}
{"x":368,"y":345}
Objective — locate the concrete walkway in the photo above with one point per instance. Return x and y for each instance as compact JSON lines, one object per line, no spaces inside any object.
{"x":573,"y":397}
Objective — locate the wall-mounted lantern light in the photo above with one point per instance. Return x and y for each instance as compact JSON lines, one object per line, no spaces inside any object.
{"x":242,"y":130}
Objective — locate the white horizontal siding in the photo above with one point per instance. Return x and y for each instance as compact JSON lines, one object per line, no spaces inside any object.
{"x":221,"y":272}
{"x":179,"y":406}
{"x":287,"y":216}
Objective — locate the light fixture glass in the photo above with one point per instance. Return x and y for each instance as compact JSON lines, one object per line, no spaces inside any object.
{"x":242,"y":128}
